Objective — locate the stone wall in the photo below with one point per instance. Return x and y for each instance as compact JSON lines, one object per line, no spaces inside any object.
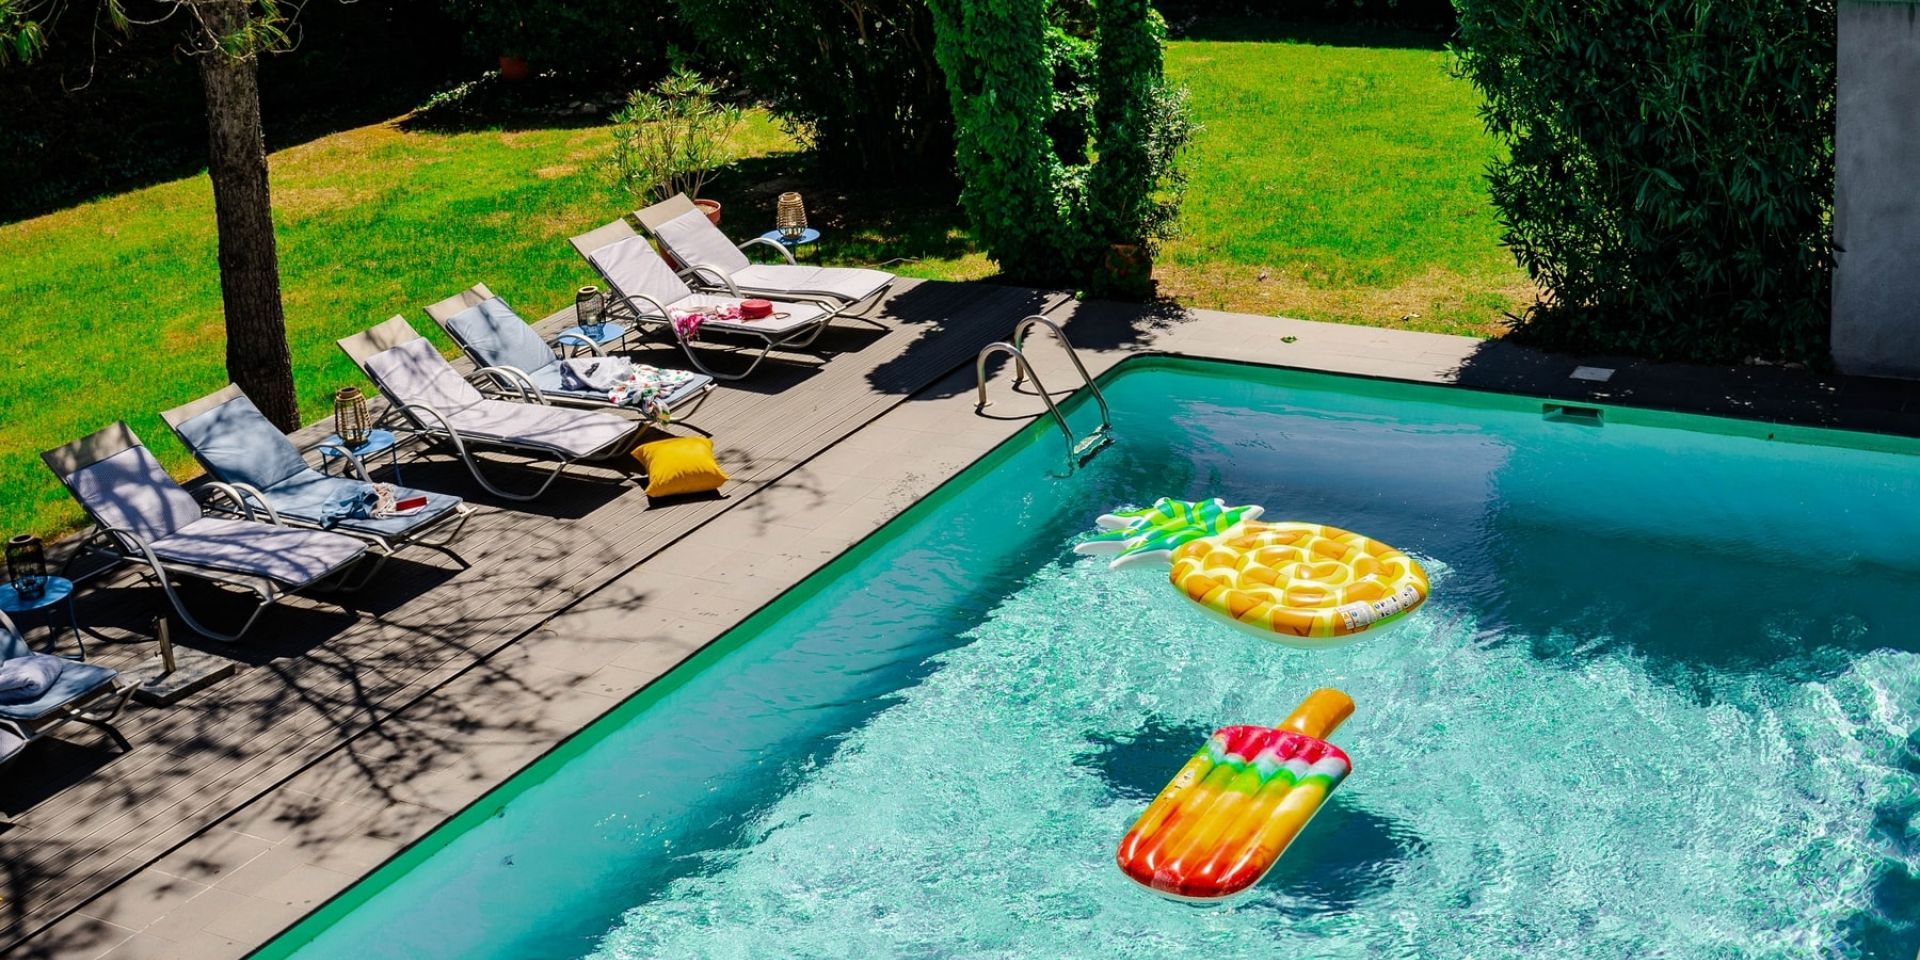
{"x":1876,"y":210}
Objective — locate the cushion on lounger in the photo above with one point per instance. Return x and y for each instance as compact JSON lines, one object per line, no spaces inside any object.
{"x":132,"y":491}
{"x":568,"y":434}
{"x":240,"y":445}
{"x":499,"y":338}
{"x":415,"y":372}
{"x":634,"y":269}
{"x":680,"y":465}
{"x":851,"y":284}
{"x":289,"y":555}
{"x":694,"y":240}
{"x":76,"y":681}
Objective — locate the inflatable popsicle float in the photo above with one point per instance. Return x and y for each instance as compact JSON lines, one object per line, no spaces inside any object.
{"x":1228,"y":815}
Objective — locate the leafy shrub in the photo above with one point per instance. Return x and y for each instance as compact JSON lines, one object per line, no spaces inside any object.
{"x":1067,"y":144}
{"x":857,"y":77}
{"x":672,"y":138}
{"x":1670,"y":169}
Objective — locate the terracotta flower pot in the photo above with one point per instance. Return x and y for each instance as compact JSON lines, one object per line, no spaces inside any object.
{"x":711,"y":208}
{"x":1129,"y":271}
{"x":514,"y":69}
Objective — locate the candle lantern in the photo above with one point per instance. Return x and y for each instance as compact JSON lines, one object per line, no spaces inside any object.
{"x":590,"y":309}
{"x":27,"y":566}
{"x":790,"y":216}
{"x":350,"y":419}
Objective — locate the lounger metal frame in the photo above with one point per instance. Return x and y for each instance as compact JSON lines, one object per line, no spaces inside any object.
{"x":429,"y":422}
{"x":632,"y":304}
{"x":125,"y":546}
{"x":524,"y":388}
{"x":96,"y":708}
{"x":455,"y":519}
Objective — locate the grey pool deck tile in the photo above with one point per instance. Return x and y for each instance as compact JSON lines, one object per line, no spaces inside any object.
{"x":363,"y":729}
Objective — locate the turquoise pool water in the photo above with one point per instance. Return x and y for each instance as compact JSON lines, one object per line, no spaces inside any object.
{"x":1663,"y":702}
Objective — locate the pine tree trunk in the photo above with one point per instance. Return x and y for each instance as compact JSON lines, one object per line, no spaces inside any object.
{"x":257,"y":355}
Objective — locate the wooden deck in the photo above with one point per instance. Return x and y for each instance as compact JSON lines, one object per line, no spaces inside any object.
{"x":322,"y":674}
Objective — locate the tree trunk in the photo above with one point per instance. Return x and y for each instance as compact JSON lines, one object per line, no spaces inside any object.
{"x":257,"y":355}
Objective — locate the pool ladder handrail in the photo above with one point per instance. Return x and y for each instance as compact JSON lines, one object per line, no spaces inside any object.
{"x":1077,"y":449}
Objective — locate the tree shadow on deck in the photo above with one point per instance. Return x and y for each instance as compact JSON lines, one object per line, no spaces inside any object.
{"x":342,"y":676}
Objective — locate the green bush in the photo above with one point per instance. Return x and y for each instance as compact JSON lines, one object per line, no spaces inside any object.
{"x":856,"y":77}
{"x":672,"y":138}
{"x":1067,"y":135}
{"x":1670,"y":171}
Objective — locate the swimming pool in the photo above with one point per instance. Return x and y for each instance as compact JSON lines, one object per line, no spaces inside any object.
{"x":1664,"y":701}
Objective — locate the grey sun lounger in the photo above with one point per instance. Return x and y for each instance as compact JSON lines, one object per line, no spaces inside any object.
{"x":84,"y":693}
{"x":242,"y":449}
{"x":142,"y":516}
{"x":527,"y":368}
{"x":650,"y":291}
{"x":439,"y":403}
{"x":716,"y":263}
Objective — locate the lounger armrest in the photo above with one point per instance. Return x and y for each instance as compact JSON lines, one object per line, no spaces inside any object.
{"x":659,"y":307}
{"x":484,"y":378}
{"x":784,"y":252}
{"x":575,"y":340}
{"x":243,"y":495}
{"x":701,"y":270}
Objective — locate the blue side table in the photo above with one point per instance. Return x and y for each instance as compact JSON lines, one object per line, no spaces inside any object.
{"x":333,"y":448}
{"x":809,"y":235}
{"x":599,"y":334}
{"x":59,"y":593}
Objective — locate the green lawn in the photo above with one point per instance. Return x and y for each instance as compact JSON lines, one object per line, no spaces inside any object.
{"x":1337,"y":182}
{"x":1347,"y":175}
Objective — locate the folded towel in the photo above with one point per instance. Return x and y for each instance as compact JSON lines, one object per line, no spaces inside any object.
{"x":594,"y":373}
{"x":374,"y":501}
{"x":26,"y":679}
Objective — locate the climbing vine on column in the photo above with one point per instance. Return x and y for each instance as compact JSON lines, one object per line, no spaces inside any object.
{"x":1049,"y":209}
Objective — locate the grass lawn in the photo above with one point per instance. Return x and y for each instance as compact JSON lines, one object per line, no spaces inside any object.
{"x":1333,"y":182}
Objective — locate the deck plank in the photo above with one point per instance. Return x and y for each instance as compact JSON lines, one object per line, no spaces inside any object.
{"x":325,"y":673}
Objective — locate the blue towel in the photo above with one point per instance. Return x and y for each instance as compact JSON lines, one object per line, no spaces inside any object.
{"x":357,"y":506}
{"x":26,"y":679}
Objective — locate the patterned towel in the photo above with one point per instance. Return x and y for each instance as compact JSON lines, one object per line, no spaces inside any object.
{"x":625,"y":383}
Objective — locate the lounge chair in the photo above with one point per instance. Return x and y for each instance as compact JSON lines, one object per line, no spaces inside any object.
{"x":715,"y":262}
{"x":84,"y":693}
{"x":524,"y":366}
{"x":651,"y":293}
{"x":240,"y":447}
{"x":432,"y":396}
{"x":144,"y":517}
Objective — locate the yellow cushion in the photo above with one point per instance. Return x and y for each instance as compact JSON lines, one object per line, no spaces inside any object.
{"x":680,"y":465}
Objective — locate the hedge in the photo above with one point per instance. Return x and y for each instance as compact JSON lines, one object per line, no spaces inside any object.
{"x":1670,"y":175}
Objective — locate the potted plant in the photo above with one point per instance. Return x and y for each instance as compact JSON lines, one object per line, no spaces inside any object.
{"x":672,"y":139}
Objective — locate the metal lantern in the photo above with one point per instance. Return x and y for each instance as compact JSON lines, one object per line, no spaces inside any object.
{"x":350,"y":418}
{"x":589,"y":308}
{"x":27,"y":566}
{"x":790,"y":216}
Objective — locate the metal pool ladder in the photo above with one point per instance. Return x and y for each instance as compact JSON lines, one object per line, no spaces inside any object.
{"x":1078,"y":449}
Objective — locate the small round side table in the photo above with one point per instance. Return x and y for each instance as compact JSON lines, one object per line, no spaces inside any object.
{"x":59,"y":593}
{"x":809,"y":235}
